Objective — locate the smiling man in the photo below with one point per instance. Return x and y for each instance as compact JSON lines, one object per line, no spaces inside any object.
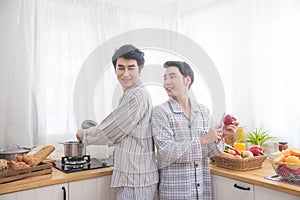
{"x":135,"y":173}
{"x":185,"y":138}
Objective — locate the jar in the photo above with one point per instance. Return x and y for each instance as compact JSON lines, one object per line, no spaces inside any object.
{"x":240,"y":134}
{"x":283,"y":146}
{"x":229,"y":140}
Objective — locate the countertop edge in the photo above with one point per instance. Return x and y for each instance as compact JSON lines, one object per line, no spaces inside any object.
{"x":255,"y":177}
{"x":57,"y":177}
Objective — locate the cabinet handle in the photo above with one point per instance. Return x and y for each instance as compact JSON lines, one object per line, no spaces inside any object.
{"x":64,"y":193}
{"x":240,"y":187}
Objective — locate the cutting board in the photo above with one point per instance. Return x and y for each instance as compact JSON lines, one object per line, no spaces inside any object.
{"x":13,"y":175}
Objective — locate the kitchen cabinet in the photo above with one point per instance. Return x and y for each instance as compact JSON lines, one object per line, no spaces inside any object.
{"x":269,"y":194}
{"x":95,"y":188}
{"x":92,"y":189}
{"x":53,"y":192}
{"x":225,"y":188}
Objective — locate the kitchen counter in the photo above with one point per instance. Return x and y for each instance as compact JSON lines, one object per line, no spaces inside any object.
{"x":255,"y":177}
{"x":56,"y":177}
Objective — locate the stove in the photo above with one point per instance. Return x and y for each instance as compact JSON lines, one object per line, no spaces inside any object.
{"x":76,"y":164}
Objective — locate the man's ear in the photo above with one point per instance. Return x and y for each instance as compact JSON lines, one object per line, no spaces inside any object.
{"x":188,"y":80}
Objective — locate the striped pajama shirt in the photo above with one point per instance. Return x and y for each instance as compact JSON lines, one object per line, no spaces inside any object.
{"x":128,"y":129}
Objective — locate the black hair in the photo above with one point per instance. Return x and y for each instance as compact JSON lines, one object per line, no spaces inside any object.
{"x":128,"y":51}
{"x":183,"y":67}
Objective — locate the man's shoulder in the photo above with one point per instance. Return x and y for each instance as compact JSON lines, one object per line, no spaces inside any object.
{"x":139,"y":92}
{"x":164,"y":107}
{"x":200,"y":107}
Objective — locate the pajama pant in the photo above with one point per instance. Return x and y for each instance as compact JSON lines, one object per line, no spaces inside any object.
{"x":136,"y":193}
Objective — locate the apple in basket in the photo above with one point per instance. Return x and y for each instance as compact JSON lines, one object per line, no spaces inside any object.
{"x":247,"y":154}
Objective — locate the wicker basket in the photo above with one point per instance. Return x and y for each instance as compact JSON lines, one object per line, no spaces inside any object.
{"x":244,"y":164}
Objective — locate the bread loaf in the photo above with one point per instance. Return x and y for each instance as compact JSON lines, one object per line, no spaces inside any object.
{"x":41,"y":154}
{"x":3,"y":164}
{"x":30,"y":159}
{"x":17,"y":165}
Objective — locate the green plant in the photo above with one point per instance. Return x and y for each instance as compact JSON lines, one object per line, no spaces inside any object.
{"x":258,"y":136}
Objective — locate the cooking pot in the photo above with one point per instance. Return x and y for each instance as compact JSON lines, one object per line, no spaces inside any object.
{"x":74,"y":149}
{"x":13,"y":152}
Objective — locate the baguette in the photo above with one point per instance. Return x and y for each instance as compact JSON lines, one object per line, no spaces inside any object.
{"x":29,"y":159}
{"x":41,"y":154}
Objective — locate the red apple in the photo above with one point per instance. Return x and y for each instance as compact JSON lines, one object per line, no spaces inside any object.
{"x":228,"y":119}
{"x":256,"y":150}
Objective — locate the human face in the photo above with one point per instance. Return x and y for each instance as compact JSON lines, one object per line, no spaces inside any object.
{"x":175,"y":84}
{"x":127,"y":71}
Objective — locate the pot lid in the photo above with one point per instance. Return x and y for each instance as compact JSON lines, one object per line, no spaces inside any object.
{"x":14,"y":150}
{"x":71,"y":142}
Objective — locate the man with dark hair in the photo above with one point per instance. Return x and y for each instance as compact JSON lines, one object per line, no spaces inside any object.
{"x":135,"y":173}
{"x":185,"y":137}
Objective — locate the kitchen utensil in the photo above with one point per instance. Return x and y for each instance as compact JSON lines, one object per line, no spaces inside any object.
{"x":88,"y":123}
{"x":13,"y":151}
{"x":73,"y":149}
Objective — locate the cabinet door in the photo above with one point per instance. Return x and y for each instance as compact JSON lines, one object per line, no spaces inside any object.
{"x":105,"y":192}
{"x":269,"y":194}
{"x":229,"y":189}
{"x":84,"y":189}
{"x":53,"y":192}
{"x":92,"y":189}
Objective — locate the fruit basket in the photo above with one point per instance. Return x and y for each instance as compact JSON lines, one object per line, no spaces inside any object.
{"x":286,"y":170}
{"x":244,"y":164}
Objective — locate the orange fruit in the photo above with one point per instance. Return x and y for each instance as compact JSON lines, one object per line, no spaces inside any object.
{"x":292,"y":159}
{"x":286,"y":152}
{"x":295,"y":162}
{"x":295,"y":152}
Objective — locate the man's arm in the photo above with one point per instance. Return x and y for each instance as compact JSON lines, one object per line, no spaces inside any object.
{"x":117,"y":124}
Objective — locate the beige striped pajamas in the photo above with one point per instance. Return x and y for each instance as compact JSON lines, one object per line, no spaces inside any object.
{"x":128,"y":129}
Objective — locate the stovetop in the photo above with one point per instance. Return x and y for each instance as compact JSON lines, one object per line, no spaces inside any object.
{"x":93,"y":163}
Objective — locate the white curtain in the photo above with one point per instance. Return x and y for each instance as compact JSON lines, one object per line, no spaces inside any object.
{"x":16,"y":72}
{"x":43,"y":47}
{"x":255,"y":45}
